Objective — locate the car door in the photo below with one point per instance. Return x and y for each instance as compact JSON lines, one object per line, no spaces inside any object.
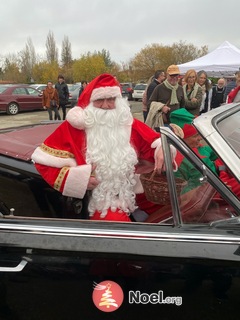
{"x":27,"y":98}
{"x":34,"y":98}
{"x":51,"y":266}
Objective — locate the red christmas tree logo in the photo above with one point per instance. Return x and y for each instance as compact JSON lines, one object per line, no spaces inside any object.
{"x":107,"y":296}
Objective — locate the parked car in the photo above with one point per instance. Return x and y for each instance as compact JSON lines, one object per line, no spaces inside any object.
{"x":183,"y":262}
{"x":138,"y":91}
{"x":127,"y":90}
{"x":73,"y":94}
{"x":39,"y":87}
{"x":15,"y":98}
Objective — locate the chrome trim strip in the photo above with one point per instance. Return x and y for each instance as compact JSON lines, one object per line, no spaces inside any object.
{"x":169,"y":235}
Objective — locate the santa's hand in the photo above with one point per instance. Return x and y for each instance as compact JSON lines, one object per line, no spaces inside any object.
{"x":159,"y":160}
{"x":159,"y":156}
{"x":92,"y":183}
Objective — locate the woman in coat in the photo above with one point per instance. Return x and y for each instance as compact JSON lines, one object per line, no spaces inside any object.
{"x":192,"y":93}
{"x":50,"y":101}
{"x":206,"y":90}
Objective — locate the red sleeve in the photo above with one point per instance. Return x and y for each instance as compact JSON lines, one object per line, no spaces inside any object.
{"x":141,"y":138}
{"x":51,"y":175}
{"x":233,"y":94}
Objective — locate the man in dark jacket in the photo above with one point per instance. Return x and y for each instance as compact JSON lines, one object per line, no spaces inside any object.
{"x":63,"y":94}
{"x":159,"y":77}
{"x":218,"y":93}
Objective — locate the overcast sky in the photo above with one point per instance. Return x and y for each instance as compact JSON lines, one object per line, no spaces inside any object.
{"x":123,"y":27}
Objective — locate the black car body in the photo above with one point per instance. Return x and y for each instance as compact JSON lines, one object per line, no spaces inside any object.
{"x":182,"y":265}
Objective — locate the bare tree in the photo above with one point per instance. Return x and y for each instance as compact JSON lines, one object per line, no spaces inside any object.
{"x":66,"y":56}
{"x":106,"y":57}
{"x":28,"y":60}
{"x":51,"y":48}
{"x":184,"y":52}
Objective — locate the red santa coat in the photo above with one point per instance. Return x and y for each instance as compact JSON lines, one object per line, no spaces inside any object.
{"x":227,"y":177}
{"x":61,"y":159}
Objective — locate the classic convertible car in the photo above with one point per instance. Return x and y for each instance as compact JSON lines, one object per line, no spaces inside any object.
{"x":182,"y":262}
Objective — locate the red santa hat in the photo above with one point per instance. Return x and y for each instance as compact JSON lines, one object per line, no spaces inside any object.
{"x":189,"y":130}
{"x":102,"y":87}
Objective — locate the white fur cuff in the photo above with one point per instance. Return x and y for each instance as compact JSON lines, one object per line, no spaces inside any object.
{"x":46,"y":159}
{"x":77,"y":181}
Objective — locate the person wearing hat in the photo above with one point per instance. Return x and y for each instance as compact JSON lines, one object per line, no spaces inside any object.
{"x":100,"y":147}
{"x":181,"y":117}
{"x":193,"y":139}
{"x":209,"y":157}
{"x":166,"y":97}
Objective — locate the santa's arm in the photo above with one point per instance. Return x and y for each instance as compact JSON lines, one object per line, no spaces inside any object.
{"x":63,"y":174}
{"x":148,"y":144}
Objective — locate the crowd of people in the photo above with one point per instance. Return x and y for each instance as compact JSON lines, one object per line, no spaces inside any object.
{"x":194,"y":91}
{"x":102,"y":149}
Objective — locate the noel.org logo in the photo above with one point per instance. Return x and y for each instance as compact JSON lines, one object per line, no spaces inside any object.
{"x":107,"y":296}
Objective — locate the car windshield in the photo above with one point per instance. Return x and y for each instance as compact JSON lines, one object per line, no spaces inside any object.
{"x":229,"y":128}
{"x":73,"y":87}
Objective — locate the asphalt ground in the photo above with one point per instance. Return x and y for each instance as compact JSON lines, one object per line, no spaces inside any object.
{"x":33,"y":117}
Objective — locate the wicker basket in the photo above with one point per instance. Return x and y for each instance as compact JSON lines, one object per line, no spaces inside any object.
{"x":156,"y":187}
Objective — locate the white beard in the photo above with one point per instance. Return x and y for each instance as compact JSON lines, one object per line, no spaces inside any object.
{"x":108,"y":147}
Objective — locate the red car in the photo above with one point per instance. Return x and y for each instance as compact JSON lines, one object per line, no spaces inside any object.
{"x":127,"y":90}
{"x":15,"y":98}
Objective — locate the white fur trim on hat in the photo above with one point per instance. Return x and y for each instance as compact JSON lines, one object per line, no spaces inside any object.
{"x":75,"y":117}
{"x":77,"y":181}
{"x":41,"y":157}
{"x":105,"y":93}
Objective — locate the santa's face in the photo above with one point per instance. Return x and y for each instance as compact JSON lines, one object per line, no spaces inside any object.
{"x":108,"y":103}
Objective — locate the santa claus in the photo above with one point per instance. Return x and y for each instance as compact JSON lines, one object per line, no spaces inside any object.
{"x":100,"y":148}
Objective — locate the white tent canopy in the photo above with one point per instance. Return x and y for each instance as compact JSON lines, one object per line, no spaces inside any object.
{"x":223,"y":61}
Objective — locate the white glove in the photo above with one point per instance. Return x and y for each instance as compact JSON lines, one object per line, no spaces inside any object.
{"x":159,"y":157}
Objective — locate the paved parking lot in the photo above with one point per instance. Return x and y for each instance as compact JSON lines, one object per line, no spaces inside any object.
{"x":25,"y":118}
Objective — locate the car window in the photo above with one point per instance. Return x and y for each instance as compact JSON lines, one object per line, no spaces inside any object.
{"x":229,"y":128}
{"x":30,"y":196}
{"x":199,"y":201}
{"x":140,"y":87}
{"x":73,"y":87}
{"x":32,"y":92}
{"x":40,"y":88}
{"x":19,"y":91}
{"x":3,"y":88}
